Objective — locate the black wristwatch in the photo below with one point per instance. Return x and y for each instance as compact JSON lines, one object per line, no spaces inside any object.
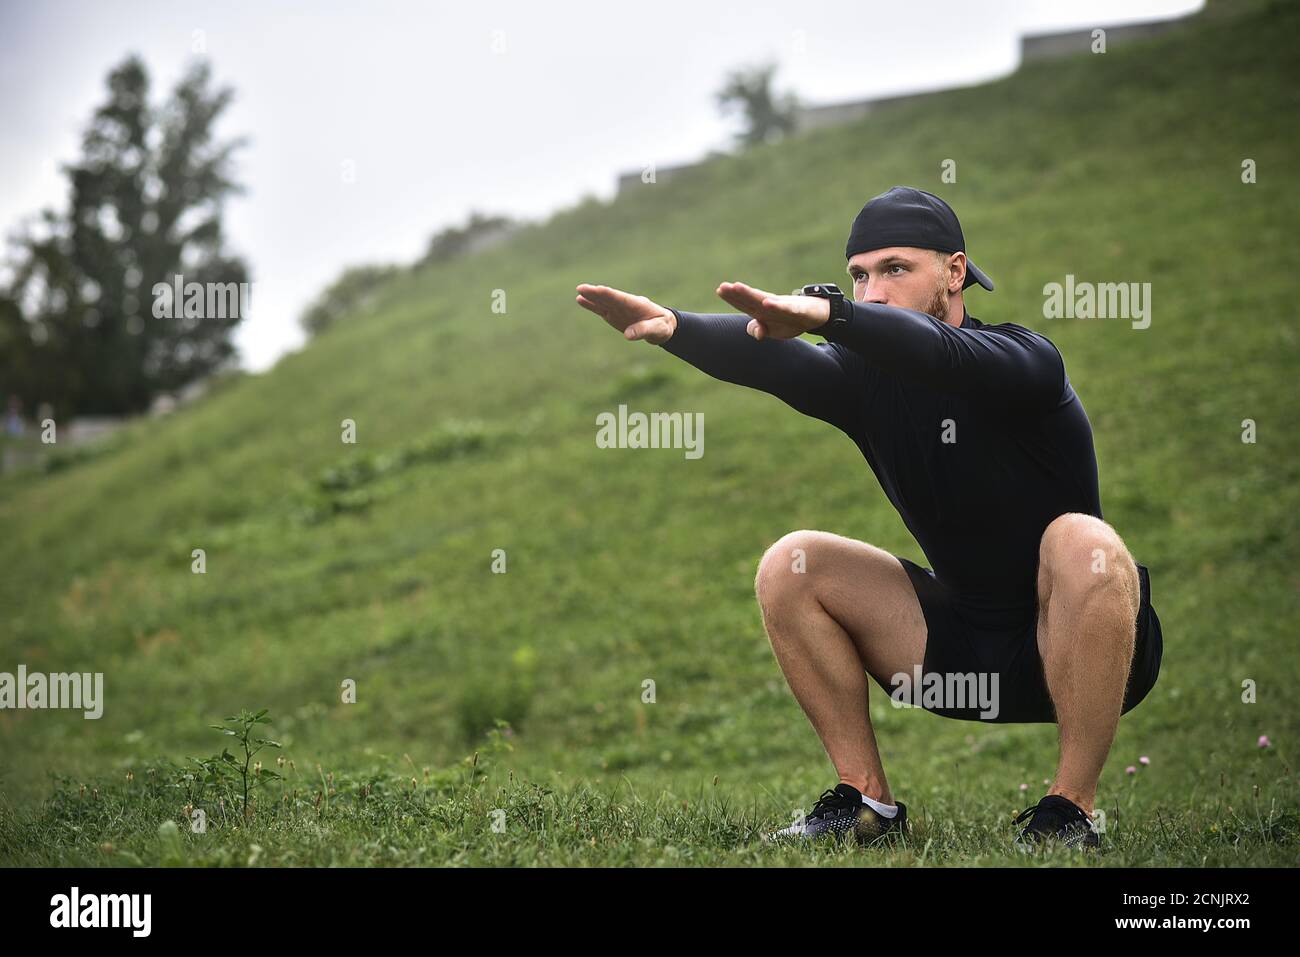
{"x":841,"y":310}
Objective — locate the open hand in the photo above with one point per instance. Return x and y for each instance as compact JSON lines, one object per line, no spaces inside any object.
{"x":773,"y":316}
{"x":634,"y":316}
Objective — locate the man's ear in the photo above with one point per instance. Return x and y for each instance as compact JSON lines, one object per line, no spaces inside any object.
{"x":956,"y":272}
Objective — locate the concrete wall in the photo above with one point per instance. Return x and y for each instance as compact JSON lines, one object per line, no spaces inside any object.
{"x":1040,"y":46}
{"x":632,"y":178}
{"x":808,"y":118}
{"x":1046,"y":46}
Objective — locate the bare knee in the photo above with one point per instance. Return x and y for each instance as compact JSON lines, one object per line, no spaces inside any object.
{"x":786,"y":569}
{"x":1082,"y":557}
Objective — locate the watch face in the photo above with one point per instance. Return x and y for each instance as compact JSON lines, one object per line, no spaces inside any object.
{"x":822,"y":289}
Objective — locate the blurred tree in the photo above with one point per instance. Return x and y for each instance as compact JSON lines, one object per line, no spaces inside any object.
{"x":767,"y":117}
{"x":478,"y":232}
{"x":356,"y":287}
{"x":77,"y":316}
{"x":353,"y":291}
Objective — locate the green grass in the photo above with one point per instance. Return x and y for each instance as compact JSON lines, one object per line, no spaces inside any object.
{"x":476,"y":431}
{"x":478,"y":813}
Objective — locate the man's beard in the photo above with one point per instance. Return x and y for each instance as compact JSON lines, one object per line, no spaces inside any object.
{"x":938,"y":304}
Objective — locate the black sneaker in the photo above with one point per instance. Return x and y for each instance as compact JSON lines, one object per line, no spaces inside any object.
{"x":841,"y":812}
{"x":1055,"y":817}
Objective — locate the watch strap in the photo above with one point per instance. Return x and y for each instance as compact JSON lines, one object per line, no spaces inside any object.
{"x":840,"y":313}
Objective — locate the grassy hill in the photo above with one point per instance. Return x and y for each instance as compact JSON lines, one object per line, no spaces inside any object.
{"x":476,"y":430}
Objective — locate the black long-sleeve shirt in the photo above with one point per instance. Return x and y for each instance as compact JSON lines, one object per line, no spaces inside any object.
{"x":899,"y":382}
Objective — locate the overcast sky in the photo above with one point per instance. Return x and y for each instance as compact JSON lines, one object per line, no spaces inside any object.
{"x":441,"y":108}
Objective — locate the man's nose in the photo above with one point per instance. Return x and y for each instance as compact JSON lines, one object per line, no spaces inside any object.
{"x":875,"y":294}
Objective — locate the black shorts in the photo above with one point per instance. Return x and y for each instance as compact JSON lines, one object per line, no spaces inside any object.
{"x":968,"y":641}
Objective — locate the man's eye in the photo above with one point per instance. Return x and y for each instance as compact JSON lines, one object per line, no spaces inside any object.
{"x":895,"y":266}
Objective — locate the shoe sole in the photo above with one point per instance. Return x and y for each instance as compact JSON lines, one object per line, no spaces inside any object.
{"x":1032,"y":845}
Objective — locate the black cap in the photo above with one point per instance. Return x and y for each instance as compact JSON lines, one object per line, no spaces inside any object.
{"x":911,"y":217}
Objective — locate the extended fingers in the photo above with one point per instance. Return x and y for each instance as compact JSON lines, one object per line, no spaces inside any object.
{"x":586,"y":303}
{"x":748,"y":299}
{"x":740,"y":298}
{"x":602,"y":297}
{"x":608,"y":295}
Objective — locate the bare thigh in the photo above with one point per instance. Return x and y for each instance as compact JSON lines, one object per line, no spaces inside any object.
{"x":862,"y":587}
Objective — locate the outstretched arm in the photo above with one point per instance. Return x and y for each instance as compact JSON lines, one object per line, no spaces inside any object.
{"x":820,"y":380}
{"x":817,"y":379}
{"x":1008,"y":363}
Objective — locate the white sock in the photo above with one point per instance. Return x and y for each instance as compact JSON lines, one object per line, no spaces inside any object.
{"x":884,"y":810}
